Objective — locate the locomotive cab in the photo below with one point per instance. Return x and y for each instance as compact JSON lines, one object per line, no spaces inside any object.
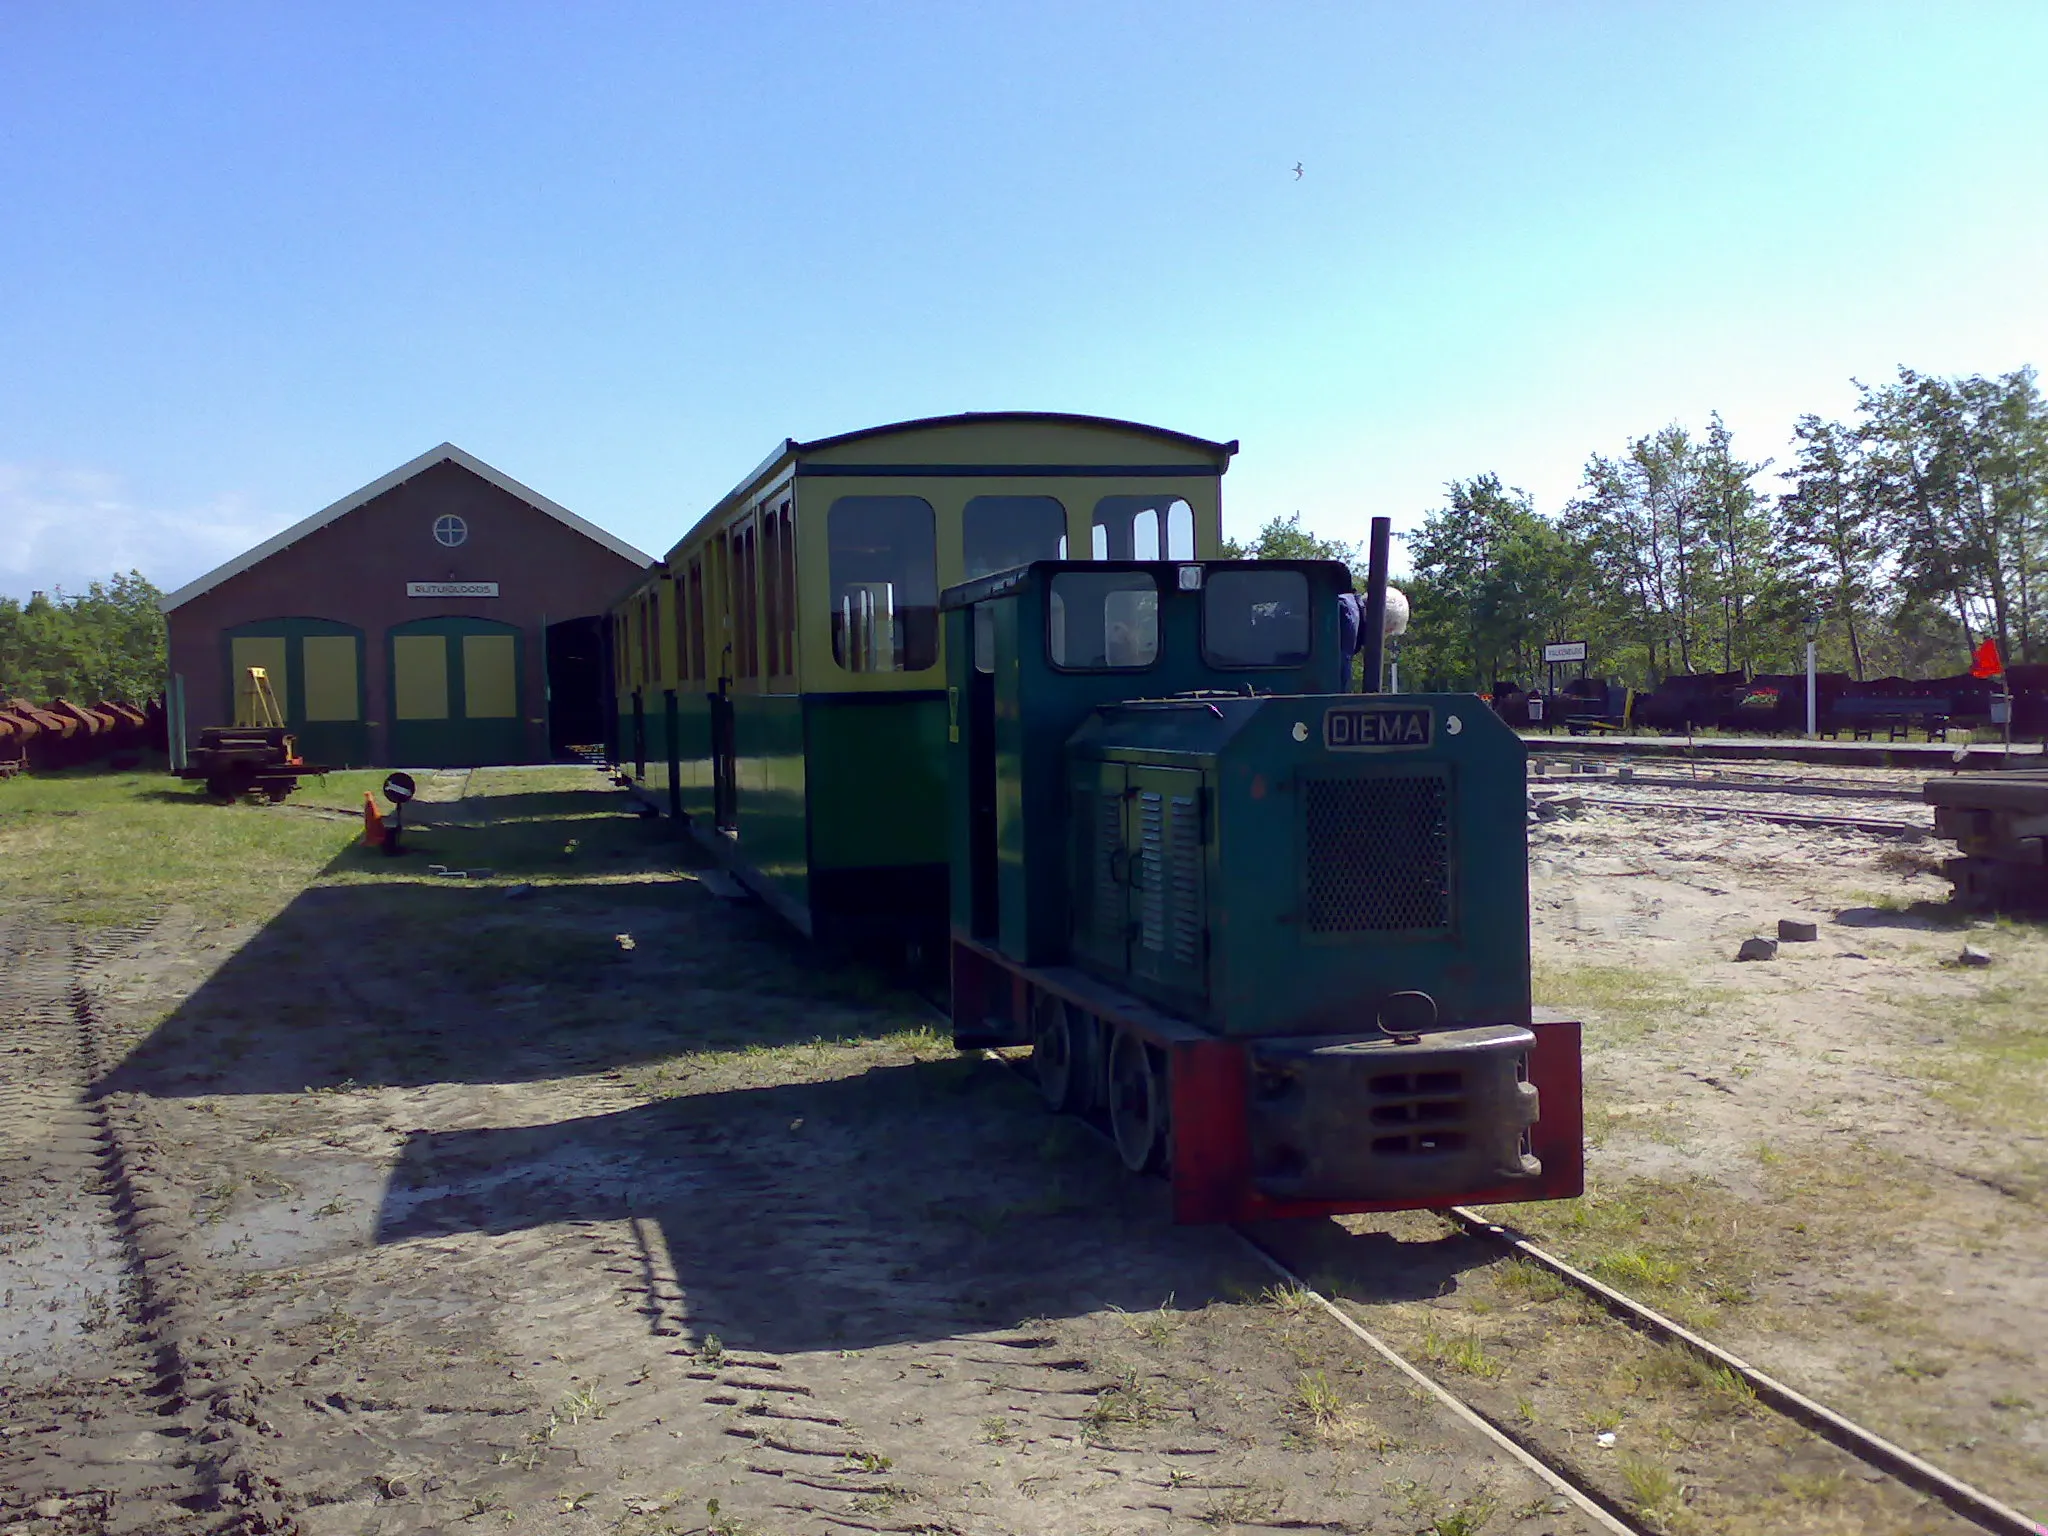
{"x":1274,"y":932}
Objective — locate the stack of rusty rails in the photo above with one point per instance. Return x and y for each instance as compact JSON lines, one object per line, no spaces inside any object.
{"x":61,"y":734}
{"x":1999,"y":824}
{"x":13,"y":745}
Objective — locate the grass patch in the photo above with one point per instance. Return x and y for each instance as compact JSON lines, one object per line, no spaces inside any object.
{"x":1653,"y":1488}
{"x":107,"y":849}
{"x":1128,"y":1399}
{"x":1997,"y":1074}
{"x":1620,"y":1003}
{"x":1464,"y":1352}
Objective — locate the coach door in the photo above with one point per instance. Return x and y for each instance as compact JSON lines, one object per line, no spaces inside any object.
{"x":730,"y":657}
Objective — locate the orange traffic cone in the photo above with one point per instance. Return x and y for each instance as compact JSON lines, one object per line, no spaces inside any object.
{"x":373,"y":822}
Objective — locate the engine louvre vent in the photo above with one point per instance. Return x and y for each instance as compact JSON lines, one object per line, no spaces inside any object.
{"x":1376,"y":854}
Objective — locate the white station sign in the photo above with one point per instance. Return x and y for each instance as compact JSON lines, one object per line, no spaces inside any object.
{"x":451,"y":589}
{"x":1566,"y":650}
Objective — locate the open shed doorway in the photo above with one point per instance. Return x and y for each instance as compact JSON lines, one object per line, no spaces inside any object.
{"x":579,"y":687}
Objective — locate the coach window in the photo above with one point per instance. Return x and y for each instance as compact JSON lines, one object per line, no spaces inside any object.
{"x":1255,"y":619}
{"x":1106,"y":621}
{"x":1000,"y":533}
{"x":884,"y":567}
{"x":1144,"y":528}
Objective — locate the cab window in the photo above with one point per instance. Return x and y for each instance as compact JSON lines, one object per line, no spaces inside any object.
{"x":1255,"y":619}
{"x":1104,"y":621}
{"x":884,"y":568}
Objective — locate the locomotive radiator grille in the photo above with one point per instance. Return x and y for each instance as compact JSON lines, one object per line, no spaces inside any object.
{"x":1170,"y":875}
{"x":1186,"y":895}
{"x":1377,"y":854}
{"x":1152,"y":863}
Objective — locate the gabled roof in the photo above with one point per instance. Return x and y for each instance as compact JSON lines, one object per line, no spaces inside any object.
{"x":447,"y":453}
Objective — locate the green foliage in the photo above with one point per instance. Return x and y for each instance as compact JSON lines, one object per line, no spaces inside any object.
{"x":1283,"y":538}
{"x":107,"y":643}
{"x":1911,"y":531}
{"x":1494,"y":581}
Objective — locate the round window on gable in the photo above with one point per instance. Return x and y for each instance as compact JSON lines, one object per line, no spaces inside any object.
{"x":450,"y":530}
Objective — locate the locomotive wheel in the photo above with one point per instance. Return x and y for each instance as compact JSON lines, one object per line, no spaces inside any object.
{"x":1054,"y":1057}
{"x":1137,"y":1104}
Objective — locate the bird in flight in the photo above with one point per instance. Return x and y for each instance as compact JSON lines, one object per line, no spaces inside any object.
{"x":1297,"y":170}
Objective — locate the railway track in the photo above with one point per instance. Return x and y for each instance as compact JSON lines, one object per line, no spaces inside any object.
{"x":1759,"y":785}
{"x":1606,"y":1513}
{"x":1882,"y":826}
{"x":1894,"y":1461}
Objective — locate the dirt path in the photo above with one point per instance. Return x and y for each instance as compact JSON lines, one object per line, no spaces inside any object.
{"x":607,"y":1208}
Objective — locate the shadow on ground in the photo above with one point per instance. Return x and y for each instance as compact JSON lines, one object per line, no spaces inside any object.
{"x":387,"y":975}
{"x":815,"y":1182}
{"x":906,"y":1202}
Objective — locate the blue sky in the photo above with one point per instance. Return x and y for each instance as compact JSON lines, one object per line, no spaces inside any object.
{"x":254,"y":256}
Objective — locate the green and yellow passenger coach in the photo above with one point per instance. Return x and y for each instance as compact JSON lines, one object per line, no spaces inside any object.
{"x":781,"y":682}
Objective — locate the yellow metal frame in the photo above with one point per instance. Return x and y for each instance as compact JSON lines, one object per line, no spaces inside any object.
{"x":255,"y":704}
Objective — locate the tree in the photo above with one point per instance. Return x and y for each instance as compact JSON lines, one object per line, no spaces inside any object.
{"x":1493,"y":582}
{"x":1956,"y":474}
{"x":1829,"y":542}
{"x":1283,"y":538}
{"x":107,"y":643}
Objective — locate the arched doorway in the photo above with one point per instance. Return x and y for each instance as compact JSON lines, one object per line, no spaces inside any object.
{"x":315,"y":667}
{"x":457,"y":691}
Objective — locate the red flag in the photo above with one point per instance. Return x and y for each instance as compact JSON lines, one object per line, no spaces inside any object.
{"x":1987,"y":663}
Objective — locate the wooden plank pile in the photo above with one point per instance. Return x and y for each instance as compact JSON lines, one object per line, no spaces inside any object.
{"x":1999,"y":824}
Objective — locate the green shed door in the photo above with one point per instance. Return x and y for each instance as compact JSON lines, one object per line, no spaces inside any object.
{"x":1168,"y":916}
{"x":456,"y":687}
{"x":315,"y":670}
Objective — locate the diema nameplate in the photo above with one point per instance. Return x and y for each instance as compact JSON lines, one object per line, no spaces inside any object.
{"x":1359,"y":728}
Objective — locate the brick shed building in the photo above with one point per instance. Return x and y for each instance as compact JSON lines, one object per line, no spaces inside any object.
{"x":442,"y":616}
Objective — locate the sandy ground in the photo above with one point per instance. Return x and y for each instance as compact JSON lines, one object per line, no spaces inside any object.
{"x":1863,"y":1110}
{"x":609,"y":1209}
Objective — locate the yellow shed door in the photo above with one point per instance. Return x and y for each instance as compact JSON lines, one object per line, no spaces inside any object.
{"x":328,"y":666}
{"x":419,"y":677}
{"x":490,"y":677}
{"x":265,"y":651}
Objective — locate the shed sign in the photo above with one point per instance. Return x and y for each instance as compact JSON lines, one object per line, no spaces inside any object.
{"x":1362,"y":728}
{"x":1564,"y":650}
{"x":451,"y":589}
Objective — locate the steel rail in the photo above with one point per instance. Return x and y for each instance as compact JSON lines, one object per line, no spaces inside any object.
{"x":1877,"y":824}
{"x":1743,"y":786}
{"x":1971,"y":1503}
{"x":1588,"y":1503}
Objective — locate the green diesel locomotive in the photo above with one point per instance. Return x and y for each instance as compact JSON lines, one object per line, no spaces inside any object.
{"x":1276,"y":933}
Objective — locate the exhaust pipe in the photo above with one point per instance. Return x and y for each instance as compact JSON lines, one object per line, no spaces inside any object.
{"x":1372,"y":623}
